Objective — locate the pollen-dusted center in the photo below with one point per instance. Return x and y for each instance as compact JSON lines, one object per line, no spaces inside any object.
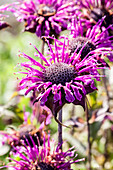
{"x":79,"y":43}
{"x":59,"y":73}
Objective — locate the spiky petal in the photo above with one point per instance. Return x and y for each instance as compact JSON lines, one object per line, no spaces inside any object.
{"x":43,"y":157}
{"x":43,"y":17}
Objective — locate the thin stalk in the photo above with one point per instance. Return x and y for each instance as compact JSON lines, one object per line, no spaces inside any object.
{"x":60,"y":141}
{"x":72,"y":115}
{"x":105,"y":85}
{"x":89,"y":142}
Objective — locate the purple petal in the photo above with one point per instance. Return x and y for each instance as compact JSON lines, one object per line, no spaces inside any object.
{"x":43,"y":98}
{"x":76,"y":93}
{"x":69,"y":95}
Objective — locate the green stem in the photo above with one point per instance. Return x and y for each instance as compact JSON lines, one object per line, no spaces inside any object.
{"x":42,"y":49}
{"x":89,"y":142}
{"x":60,"y":141}
{"x":105,"y":84}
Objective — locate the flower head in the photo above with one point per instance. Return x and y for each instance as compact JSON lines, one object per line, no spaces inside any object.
{"x":96,"y":39}
{"x":40,"y":115}
{"x":43,"y":17}
{"x":43,"y":157}
{"x":63,"y":79}
{"x":91,"y":11}
{"x":14,"y":137}
{"x":3,"y":24}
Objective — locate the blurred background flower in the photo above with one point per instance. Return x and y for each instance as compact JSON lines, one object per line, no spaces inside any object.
{"x":91,"y":11}
{"x":43,"y":17}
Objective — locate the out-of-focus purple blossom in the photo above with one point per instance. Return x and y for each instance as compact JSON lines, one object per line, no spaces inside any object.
{"x":63,"y":78}
{"x":91,"y":11}
{"x":97,"y":116}
{"x":43,"y":17}
{"x":4,"y":7}
{"x":76,"y":122}
{"x":3,"y":24}
{"x":13,"y":137}
{"x":42,"y":114}
{"x":43,"y":157}
{"x":102,"y":114}
{"x":97,"y":38}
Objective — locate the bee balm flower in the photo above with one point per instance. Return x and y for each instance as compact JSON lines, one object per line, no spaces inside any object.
{"x":43,"y":157}
{"x":93,"y":10}
{"x":98,"y":42}
{"x":62,"y":79}
{"x":43,"y":17}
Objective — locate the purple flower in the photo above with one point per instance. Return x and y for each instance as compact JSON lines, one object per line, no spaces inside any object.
{"x":97,"y":41}
{"x":42,"y":157}
{"x":62,"y":79}
{"x":25,"y":131}
{"x":91,"y":11}
{"x":43,"y":17}
{"x":3,"y":24}
{"x":42,"y":114}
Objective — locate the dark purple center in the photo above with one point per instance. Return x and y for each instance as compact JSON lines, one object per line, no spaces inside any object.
{"x":44,"y":166}
{"x":59,"y":73}
{"x":78,"y":43}
{"x":28,"y":131}
{"x":98,"y":13}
